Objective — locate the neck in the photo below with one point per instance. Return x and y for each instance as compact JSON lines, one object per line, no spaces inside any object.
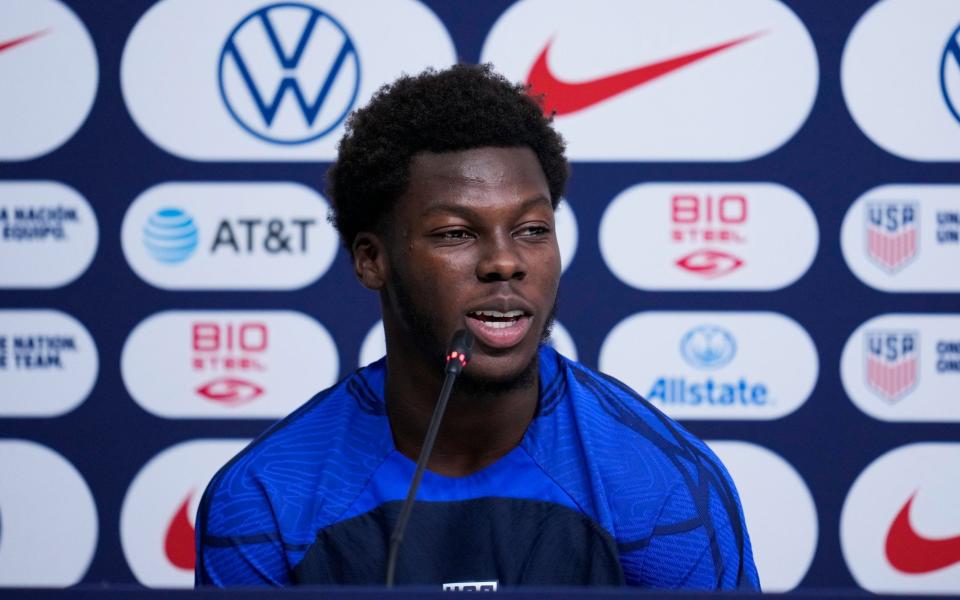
{"x":482,"y":422}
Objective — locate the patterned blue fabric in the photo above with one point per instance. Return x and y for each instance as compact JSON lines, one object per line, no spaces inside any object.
{"x":594,"y":448}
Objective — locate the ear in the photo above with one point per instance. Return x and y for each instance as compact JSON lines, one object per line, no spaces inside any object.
{"x":370,"y":260}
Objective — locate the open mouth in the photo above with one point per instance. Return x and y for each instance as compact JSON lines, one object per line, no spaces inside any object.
{"x":499,"y":329}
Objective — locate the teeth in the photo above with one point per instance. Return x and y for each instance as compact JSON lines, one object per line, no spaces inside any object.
{"x":512,"y":314}
{"x":499,"y":324}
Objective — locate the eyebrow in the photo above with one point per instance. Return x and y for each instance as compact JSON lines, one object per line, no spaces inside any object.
{"x":467,"y":211}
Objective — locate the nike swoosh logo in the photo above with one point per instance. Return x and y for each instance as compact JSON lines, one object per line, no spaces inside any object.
{"x":178,"y":544}
{"x":910,"y":552}
{"x":21,"y":40}
{"x":563,"y":97}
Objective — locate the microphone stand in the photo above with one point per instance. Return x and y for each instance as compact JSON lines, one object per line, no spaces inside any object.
{"x":457,"y":359}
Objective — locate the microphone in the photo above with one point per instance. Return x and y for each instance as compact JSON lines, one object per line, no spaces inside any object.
{"x":457,"y":357}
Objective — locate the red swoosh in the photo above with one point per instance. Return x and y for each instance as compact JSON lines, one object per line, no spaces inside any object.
{"x":21,"y":40}
{"x":910,"y":552}
{"x":562,"y":97}
{"x":178,"y":544}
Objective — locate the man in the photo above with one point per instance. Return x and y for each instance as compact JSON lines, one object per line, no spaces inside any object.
{"x":544,"y":471}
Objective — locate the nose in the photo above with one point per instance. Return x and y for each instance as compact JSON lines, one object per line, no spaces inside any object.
{"x":501,"y":259}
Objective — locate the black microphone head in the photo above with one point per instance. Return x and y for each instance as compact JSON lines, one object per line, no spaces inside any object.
{"x":458,"y":353}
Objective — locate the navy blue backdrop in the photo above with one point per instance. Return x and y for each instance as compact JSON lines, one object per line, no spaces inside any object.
{"x":829,"y":162}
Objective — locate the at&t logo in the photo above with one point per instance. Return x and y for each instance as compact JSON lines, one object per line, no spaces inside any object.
{"x":289,"y":73}
{"x":234,"y":236}
{"x":170,"y":235}
{"x":892,"y":362}
{"x":270,"y":236}
{"x":706,"y":220}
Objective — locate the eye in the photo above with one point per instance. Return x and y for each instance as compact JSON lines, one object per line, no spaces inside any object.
{"x":453,"y":236}
{"x":533,"y":231}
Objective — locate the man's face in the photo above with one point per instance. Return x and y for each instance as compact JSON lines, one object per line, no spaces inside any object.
{"x":471,"y":243}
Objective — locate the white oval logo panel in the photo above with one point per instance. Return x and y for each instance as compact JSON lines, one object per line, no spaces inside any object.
{"x":779,"y":509}
{"x":229,"y":236}
{"x":48,"y":234}
{"x":900,"y":527}
{"x":48,"y":363}
{"x":374,"y":344}
{"x":49,"y":521}
{"x":48,"y":52}
{"x":708,"y":236}
{"x":733,"y":84}
{"x":256,"y":80}
{"x":905,"y":238}
{"x":566,"y":224}
{"x":714,"y":365}
{"x":900,"y":74}
{"x":905,"y":367}
{"x":227,"y":364}
{"x":157,"y":519}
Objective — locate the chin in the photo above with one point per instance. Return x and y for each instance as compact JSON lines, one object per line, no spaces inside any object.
{"x":501,"y":373}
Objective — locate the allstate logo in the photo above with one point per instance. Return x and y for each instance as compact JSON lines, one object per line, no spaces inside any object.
{"x":289,"y":73}
{"x":950,"y":74}
{"x":170,"y":235}
{"x":708,"y":347}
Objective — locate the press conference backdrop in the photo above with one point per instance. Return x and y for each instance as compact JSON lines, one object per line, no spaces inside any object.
{"x":761,"y":236}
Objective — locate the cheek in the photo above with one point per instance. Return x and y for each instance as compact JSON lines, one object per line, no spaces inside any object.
{"x":440,"y":272}
{"x":550,"y":272}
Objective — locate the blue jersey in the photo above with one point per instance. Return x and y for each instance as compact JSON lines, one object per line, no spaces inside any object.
{"x":604,"y":489}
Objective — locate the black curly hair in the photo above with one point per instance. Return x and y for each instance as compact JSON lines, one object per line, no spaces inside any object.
{"x":460,"y":108}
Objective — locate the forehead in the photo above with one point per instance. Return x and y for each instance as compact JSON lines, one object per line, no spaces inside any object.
{"x":478,"y":175}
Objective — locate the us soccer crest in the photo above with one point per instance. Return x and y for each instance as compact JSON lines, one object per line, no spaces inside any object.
{"x":892,"y":233}
{"x":892,"y":363}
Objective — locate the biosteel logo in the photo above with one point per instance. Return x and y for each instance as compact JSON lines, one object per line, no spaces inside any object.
{"x":227,"y":364}
{"x":157,"y":518}
{"x":779,"y":509}
{"x":708,"y":236}
{"x":905,"y":238}
{"x":374,"y":345}
{"x":899,"y":528}
{"x":904,"y":367}
{"x":48,"y":234}
{"x":48,"y":52}
{"x":48,"y":363}
{"x":900,"y":74}
{"x":229,"y":236}
{"x":733,"y":84}
{"x":715,"y":365}
{"x":49,"y":521}
{"x":252,"y":80}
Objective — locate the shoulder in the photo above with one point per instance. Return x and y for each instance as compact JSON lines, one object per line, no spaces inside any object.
{"x":622,"y":427}
{"x":639,"y":473}
{"x":313,"y":459}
